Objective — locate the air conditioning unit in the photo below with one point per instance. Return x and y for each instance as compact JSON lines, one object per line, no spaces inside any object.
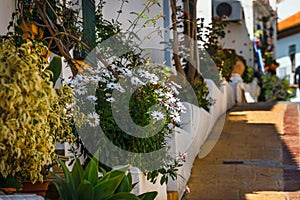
{"x":229,"y":10}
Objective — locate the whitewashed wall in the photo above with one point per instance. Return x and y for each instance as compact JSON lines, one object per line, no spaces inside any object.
{"x":237,"y":37}
{"x":282,"y":56}
{"x":249,"y":16}
{"x":287,"y":8}
{"x":6,"y":9}
{"x":204,"y":10}
{"x":154,"y":44}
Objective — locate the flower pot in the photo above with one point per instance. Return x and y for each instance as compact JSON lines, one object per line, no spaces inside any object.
{"x":32,"y":29}
{"x":9,"y":190}
{"x":80,"y":65}
{"x":39,"y":188}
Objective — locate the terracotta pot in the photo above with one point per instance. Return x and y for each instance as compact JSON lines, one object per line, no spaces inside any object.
{"x":34,"y":30}
{"x":9,"y":190}
{"x":39,"y":188}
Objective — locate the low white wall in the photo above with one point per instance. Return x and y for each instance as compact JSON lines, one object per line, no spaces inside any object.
{"x":197,"y":136}
{"x":146,"y":186}
{"x":188,"y":142}
{"x":200,"y":131}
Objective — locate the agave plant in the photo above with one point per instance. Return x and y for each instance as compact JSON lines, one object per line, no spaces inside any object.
{"x":85,"y":184}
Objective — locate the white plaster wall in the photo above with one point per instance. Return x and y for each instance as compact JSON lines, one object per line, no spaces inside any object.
{"x":248,"y":14}
{"x":237,"y":37}
{"x":204,"y":10}
{"x":6,"y":9}
{"x":273,"y":4}
{"x":154,"y":43}
{"x":282,"y":55}
{"x":287,"y":8}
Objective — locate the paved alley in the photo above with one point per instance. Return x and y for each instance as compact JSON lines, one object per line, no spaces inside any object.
{"x":256,"y":158}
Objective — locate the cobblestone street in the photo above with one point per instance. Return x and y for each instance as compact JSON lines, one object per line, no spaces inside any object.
{"x":256,"y":158}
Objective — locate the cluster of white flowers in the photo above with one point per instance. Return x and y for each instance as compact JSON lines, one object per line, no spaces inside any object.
{"x":85,"y":83}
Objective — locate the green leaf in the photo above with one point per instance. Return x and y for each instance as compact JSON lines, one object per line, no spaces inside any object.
{"x":148,"y":196}
{"x":77,"y":173}
{"x":62,"y":191}
{"x":91,"y":172}
{"x":62,"y":188}
{"x":123,"y":196}
{"x":68,"y":179}
{"x":125,"y":185}
{"x":55,"y":67}
{"x":108,"y":185}
{"x":85,"y":191}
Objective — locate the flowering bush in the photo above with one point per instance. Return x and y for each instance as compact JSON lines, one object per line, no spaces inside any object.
{"x":137,"y":110}
{"x":275,"y":89}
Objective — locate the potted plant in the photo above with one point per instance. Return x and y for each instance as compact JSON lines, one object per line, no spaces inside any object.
{"x":86,"y":184}
{"x":33,"y":115}
{"x":9,"y":185}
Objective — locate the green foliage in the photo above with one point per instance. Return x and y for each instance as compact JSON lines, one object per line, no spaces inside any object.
{"x":85,"y":183}
{"x":248,"y":75}
{"x":224,"y":59}
{"x":9,"y":182}
{"x":55,"y":67}
{"x":202,"y":94}
{"x":275,"y":89}
{"x":141,"y":100}
{"x":33,"y":116}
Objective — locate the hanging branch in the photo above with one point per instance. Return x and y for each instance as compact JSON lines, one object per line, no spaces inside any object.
{"x":189,"y":44}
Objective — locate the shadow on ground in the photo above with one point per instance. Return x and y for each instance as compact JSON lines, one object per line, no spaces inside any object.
{"x":256,"y":157}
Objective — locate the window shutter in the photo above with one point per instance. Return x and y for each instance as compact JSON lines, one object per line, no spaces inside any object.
{"x":88,"y":12}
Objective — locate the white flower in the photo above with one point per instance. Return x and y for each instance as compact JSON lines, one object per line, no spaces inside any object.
{"x":92,"y":98}
{"x":160,"y":93}
{"x":176,"y":117}
{"x":120,"y":88}
{"x":176,"y":85}
{"x":111,"y":86}
{"x":153,"y":79}
{"x":157,"y":115}
{"x":81,"y":91}
{"x":170,"y":125}
{"x":93,"y":119}
{"x":169,"y":95}
{"x":136,"y":81}
{"x":174,"y":90}
{"x":126,"y":72}
{"x":181,"y":107}
{"x":107,"y":74}
{"x":143,"y":73}
{"x":96,"y":78}
{"x":111,"y":99}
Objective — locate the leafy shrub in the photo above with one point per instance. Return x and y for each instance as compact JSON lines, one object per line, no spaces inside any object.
{"x":33,"y":116}
{"x":275,"y":89}
{"x":248,"y":75}
{"x":85,"y":184}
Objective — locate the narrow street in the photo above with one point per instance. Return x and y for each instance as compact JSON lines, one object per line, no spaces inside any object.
{"x":256,"y":158}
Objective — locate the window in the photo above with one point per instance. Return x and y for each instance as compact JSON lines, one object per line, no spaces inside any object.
{"x":292,"y":52}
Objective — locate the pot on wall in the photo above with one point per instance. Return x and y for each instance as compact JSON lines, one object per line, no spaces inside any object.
{"x":39,"y":188}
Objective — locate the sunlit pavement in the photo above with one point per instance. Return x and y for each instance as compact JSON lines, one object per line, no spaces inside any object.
{"x":256,"y":158}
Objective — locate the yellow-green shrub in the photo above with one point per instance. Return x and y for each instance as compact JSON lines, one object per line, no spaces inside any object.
{"x":32,"y":114}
